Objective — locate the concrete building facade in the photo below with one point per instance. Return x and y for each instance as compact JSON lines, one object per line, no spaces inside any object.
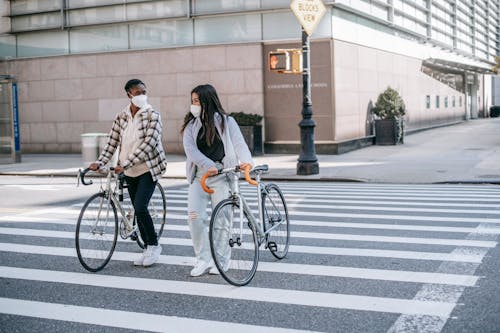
{"x":72,"y":58}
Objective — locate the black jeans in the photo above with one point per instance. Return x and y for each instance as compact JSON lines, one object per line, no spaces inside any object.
{"x":141,"y":189}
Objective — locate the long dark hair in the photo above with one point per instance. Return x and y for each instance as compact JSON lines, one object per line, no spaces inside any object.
{"x":210,"y":104}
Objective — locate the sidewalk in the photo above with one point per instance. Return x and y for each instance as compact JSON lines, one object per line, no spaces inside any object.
{"x":467,"y":152}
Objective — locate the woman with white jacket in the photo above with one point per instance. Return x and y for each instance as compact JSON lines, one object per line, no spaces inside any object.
{"x":212,"y":140}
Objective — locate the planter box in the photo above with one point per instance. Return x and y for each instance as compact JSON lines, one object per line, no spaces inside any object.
{"x":389,"y":131}
{"x":494,"y":111}
{"x":253,"y":138}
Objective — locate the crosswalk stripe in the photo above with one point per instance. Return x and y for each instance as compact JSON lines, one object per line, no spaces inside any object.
{"x":352,"y":225}
{"x":416,"y":255}
{"x":372,"y":194}
{"x":275,"y":267}
{"x":409,"y":193}
{"x":125,"y":319}
{"x":283,"y":296}
{"x":293,"y":213}
{"x":312,"y":235}
{"x":296,"y":205}
{"x":382,"y":198}
{"x":330,"y":185}
{"x":397,"y":209}
{"x":387,"y":205}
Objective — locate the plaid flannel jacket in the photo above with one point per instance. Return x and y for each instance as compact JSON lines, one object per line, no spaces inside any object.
{"x":150,"y":150}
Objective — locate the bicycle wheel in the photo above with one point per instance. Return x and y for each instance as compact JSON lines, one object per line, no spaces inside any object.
{"x":276,"y":221}
{"x":234,"y":244}
{"x":158,"y":210}
{"x":96,"y":232}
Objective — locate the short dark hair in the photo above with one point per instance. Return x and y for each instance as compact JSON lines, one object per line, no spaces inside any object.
{"x":133,"y":83}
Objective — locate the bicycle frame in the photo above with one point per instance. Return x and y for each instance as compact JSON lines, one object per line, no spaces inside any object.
{"x":258,"y":222}
{"x":110,"y":194}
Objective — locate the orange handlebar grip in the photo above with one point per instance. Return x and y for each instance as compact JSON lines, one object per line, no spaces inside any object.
{"x":248,"y":178}
{"x":204,"y":184}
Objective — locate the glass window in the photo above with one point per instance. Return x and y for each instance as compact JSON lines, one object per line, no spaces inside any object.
{"x":161,"y":34}
{"x":104,"y":38}
{"x":428,"y":102}
{"x":89,"y":3}
{"x":36,"y":21}
{"x":97,"y":15}
{"x":380,"y":12}
{"x":42,"y":43}
{"x":218,"y":6}
{"x":275,"y":4}
{"x":453,"y":101}
{"x":33,"y":6}
{"x":156,"y":9}
{"x":460,"y":101}
{"x":7,"y":47}
{"x":437,"y":101}
{"x":445,"y":101}
{"x":227,"y":29}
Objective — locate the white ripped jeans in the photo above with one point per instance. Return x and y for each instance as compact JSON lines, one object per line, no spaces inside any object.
{"x":198,"y":219}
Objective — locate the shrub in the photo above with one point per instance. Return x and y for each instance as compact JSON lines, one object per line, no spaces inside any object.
{"x":246,"y":119}
{"x":495,"y":111}
{"x":389,"y":105}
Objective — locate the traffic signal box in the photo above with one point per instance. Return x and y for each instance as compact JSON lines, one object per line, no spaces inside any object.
{"x":285,"y":61}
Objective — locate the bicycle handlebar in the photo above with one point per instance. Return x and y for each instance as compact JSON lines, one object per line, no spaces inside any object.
{"x":82,"y":174}
{"x":235,"y":169}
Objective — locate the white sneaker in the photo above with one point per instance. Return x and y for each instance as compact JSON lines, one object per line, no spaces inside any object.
{"x":201,"y":268}
{"x":152,"y":255}
{"x":215,"y":271}
{"x":140,"y":259}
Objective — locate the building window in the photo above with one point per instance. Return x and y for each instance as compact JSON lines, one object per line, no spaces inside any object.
{"x":437,"y":101}
{"x":428,"y":102}
{"x":446,"y":101}
{"x":105,"y":38}
{"x":460,"y":101}
{"x":453,"y":101}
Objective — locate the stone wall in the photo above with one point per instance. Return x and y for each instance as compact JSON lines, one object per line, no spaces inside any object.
{"x":62,"y":97}
{"x":362,"y":73}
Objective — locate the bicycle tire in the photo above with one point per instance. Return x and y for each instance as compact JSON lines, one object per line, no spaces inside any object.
{"x":89,"y":221}
{"x":235,"y":253}
{"x":276,"y":215}
{"x":157,"y":208}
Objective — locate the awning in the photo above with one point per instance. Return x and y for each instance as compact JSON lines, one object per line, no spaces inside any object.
{"x":456,"y":67}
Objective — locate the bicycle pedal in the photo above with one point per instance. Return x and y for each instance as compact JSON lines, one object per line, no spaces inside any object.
{"x":134,"y":236}
{"x":272,"y":246}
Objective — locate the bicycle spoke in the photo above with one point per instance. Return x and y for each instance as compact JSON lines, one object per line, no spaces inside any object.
{"x":276,"y":221}
{"x":233,"y":243}
{"x":96,"y":232}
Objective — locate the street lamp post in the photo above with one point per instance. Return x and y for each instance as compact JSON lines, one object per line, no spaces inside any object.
{"x":307,"y":163}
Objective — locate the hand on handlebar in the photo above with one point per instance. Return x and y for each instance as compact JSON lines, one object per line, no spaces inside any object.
{"x":212,"y":171}
{"x":94,"y":166}
{"x":118,"y":169}
{"x":245,"y":167}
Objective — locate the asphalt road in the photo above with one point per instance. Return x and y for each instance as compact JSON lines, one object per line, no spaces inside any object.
{"x":363,"y":258}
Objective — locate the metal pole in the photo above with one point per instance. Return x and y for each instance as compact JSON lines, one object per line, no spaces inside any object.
{"x":307,"y":162}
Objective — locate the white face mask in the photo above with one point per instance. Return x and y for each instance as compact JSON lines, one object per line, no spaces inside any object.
{"x":196,"y":110}
{"x":140,"y":100}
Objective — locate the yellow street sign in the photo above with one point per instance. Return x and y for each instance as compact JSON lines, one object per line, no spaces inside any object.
{"x":309,"y":13}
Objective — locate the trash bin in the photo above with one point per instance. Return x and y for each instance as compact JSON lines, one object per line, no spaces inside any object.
{"x":92,"y":146}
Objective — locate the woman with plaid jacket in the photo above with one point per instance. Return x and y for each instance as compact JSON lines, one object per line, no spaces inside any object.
{"x":137,"y":132}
